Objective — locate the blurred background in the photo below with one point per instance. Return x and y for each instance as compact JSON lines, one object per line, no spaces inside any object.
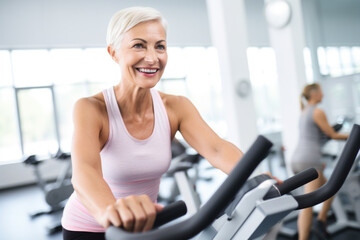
{"x":242,"y":63}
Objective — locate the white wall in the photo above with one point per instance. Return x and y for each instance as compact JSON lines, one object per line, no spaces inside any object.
{"x":340,"y":21}
{"x":83,"y":23}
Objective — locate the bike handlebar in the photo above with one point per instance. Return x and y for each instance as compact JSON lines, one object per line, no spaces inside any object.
{"x":236,"y":179}
{"x":292,"y":183}
{"x":210,"y":210}
{"x":339,"y":174}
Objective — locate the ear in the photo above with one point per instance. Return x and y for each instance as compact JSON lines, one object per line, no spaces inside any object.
{"x":112,"y":53}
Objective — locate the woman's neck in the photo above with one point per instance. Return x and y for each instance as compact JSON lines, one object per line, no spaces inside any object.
{"x":133,"y":100}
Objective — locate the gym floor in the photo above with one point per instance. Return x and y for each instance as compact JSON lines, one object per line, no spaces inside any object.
{"x":17,"y":204}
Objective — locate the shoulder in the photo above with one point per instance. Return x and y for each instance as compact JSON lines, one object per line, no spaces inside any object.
{"x":175,"y":102}
{"x":319,"y":114}
{"x":90,"y":105}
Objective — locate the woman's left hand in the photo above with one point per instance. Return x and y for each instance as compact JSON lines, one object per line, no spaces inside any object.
{"x":275,"y":178}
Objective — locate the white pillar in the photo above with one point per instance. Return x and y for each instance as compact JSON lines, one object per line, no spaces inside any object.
{"x":229,"y":35}
{"x":286,"y":34}
{"x":313,"y":34}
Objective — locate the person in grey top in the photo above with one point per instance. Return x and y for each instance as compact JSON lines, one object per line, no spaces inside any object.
{"x":313,"y":125}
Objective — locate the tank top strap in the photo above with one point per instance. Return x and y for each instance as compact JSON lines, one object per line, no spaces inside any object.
{"x":162,"y":120}
{"x":111,"y":104}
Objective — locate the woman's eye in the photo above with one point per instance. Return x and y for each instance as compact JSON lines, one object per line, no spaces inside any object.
{"x":161,"y":47}
{"x":138,"y":45}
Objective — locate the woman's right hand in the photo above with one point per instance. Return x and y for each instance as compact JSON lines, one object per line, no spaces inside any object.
{"x":133,"y":213}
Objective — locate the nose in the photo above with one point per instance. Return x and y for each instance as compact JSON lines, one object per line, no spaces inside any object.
{"x":151,"y":56}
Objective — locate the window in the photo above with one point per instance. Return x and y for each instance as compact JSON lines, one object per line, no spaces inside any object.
{"x":339,"y":61}
{"x":38,"y":125}
{"x":308,"y":65}
{"x":31,"y":67}
{"x":38,"y":89}
{"x":355,"y":53}
{"x":322,"y":61}
{"x":194,"y":72}
{"x":5,"y":70}
{"x":333,"y":60}
{"x":10,"y":149}
{"x":263,"y":77}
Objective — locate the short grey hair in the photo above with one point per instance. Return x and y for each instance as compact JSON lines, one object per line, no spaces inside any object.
{"x":127,"y":18}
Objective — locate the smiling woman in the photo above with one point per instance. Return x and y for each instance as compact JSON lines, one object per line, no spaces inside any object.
{"x":122,"y":135}
{"x":142,"y":53}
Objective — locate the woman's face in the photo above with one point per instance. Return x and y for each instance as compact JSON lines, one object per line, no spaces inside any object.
{"x":317,"y":95}
{"x":142,"y":55}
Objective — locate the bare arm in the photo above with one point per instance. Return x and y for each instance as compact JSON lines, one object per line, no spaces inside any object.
{"x":134,"y":213}
{"x":321,"y":120}
{"x":87,"y":177}
{"x":219,"y":152}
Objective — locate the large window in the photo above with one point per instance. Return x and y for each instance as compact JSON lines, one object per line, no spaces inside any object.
{"x":339,"y":61}
{"x":38,"y":89}
{"x":263,"y":76}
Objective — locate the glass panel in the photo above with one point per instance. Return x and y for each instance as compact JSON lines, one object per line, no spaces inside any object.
{"x":9,"y":138}
{"x":356,"y":57}
{"x":176,"y":86}
{"x":175,"y":66}
{"x":37,"y":121}
{"x":67,"y":65}
{"x":31,"y":67}
{"x":308,"y":65}
{"x":5,"y":69}
{"x":99,"y":67}
{"x":333,"y":58}
{"x":198,"y":81}
{"x":346,"y":61}
{"x":194,"y":72}
{"x":324,"y":70}
{"x":65,"y":97}
{"x":263,"y":77}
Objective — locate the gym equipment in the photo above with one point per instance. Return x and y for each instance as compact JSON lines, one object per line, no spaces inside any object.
{"x":290,"y":232}
{"x":56,"y":192}
{"x":350,"y":190}
{"x":254,"y":213}
{"x":182,"y":185}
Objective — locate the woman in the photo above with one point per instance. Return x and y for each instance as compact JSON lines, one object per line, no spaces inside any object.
{"x":313,"y":125}
{"x":122,"y":136}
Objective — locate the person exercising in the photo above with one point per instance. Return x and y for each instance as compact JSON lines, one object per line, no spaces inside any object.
{"x":313,"y":125}
{"x":122,"y":135}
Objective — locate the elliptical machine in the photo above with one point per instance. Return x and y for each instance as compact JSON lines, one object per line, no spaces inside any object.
{"x":255,"y":212}
{"x":57,"y":192}
{"x":182,"y":185}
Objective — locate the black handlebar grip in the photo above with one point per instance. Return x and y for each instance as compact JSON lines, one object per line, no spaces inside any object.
{"x":169,"y":213}
{"x":292,"y":183}
{"x":339,"y":174}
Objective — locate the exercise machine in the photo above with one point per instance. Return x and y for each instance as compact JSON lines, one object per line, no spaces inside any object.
{"x":254,"y":213}
{"x":336,"y":207}
{"x":55,"y":193}
{"x":342,"y":211}
{"x":182,"y":184}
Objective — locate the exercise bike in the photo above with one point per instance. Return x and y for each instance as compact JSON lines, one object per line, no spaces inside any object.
{"x":247,"y":214}
{"x":181,"y":183}
{"x":57,"y":192}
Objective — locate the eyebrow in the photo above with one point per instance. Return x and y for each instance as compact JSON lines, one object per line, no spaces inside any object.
{"x":144,"y":41}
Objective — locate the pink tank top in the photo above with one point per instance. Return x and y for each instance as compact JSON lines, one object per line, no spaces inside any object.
{"x":130,"y":166}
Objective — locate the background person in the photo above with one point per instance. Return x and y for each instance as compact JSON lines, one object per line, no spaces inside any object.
{"x":313,"y":124}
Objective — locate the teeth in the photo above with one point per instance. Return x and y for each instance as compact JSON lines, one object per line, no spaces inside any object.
{"x":146,"y":70}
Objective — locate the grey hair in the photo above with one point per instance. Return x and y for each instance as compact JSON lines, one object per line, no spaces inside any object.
{"x":125,"y":19}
